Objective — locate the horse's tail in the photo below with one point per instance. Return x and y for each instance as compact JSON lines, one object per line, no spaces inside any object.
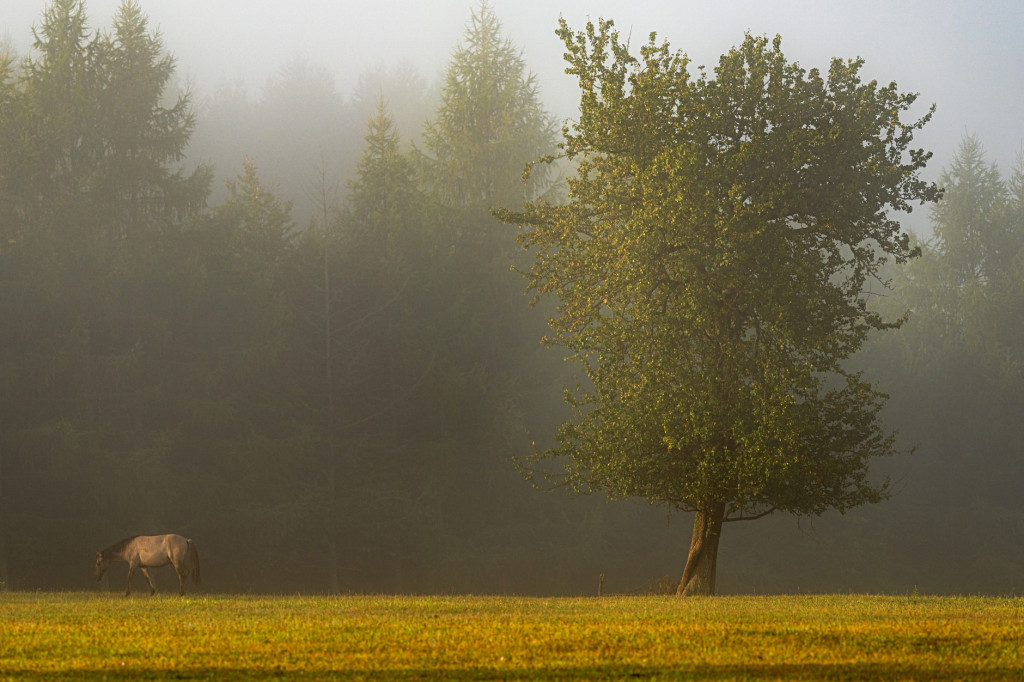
{"x":193,"y":559}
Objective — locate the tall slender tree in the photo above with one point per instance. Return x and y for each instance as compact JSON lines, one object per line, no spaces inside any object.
{"x":97,"y":156}
{"x":954,"y":372}
{"x":384,"y":226}
{"x":489,"y":125}
{"x":360,"y":316}
{"x":138,"y":184}
{"x":8,"y":97}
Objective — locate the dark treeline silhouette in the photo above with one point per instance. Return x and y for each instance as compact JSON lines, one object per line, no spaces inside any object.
{"x":326,"y":382}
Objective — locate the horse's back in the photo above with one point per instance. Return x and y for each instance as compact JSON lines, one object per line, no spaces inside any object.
{"x":177,"y":546}
{"x":160,"y":550}
{"x":175,"y":540}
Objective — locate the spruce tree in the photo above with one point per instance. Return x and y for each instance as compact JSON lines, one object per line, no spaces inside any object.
{"x":489,"y":125}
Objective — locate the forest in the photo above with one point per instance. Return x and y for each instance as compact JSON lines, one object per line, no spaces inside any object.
{"x":289,"y":327}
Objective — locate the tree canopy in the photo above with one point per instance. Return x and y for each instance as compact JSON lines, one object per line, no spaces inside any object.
{"x":710,"y":267}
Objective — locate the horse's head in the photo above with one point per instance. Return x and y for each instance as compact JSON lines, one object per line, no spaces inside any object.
{"x":101,"y":565}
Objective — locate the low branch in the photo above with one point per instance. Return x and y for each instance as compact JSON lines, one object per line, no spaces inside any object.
{"x":741,"y":517}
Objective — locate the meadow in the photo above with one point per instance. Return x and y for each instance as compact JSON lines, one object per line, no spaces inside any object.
{"x":836,"y":637}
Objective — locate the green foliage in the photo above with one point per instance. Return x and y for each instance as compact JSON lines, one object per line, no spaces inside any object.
{"x":164,"y":357}
{"x":709,"y":267}
{"x":482,"y":369}
{"x":385,"y":209}
{"x":971,"y":239}
{"x":406,"y":92}
{"x":969,"y":282}
{"x":372,"y":370}
{"x":297,"y":123}
{"x":966,"y":293}
{"x":489,"y":125}
{"x":143,"y":136}
{"x":97,"y":145}
{"x":259,"y":222}
{"x":954,"y":372}
{"x":8,"y":94}
{"x":340,"y":397}
{"x":93,"y":202}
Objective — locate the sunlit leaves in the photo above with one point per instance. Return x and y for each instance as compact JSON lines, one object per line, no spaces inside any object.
{"x":709,"y":267}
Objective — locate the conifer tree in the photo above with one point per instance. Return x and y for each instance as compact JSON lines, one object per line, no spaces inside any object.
{"x":138,"y":185}
{"x":489,"y":125}
{"x":954,"y":374}
{"x":96,"y":202}
{"x":379,"y":312}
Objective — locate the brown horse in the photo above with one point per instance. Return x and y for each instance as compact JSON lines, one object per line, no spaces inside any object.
{"x":152,"y":551}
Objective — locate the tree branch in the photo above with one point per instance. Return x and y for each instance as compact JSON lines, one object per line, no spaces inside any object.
{"x":741,"y":517}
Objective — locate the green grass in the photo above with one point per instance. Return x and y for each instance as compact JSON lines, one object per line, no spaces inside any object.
{"x":103,"y":636}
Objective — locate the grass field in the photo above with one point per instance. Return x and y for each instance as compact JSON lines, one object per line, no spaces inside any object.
{"x":103,"y":636}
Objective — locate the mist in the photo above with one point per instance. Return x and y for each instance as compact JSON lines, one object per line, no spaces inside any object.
{"x":204,"y":368}
{"x":963,"y":56}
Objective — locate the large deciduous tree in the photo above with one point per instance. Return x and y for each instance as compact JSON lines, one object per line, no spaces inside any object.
{"x":710,"y":266}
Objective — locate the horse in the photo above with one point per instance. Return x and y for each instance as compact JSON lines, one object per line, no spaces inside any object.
{"x":152,"y":551}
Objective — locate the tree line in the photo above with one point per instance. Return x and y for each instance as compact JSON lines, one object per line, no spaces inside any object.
{"x":330,"y":405}
{"x":333,"y":398}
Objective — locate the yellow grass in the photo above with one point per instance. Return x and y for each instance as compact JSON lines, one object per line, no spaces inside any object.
{"x":97,"y":636}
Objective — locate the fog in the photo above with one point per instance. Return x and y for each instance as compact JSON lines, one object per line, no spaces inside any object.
{"x":343,"y":414}
{"x":966,"y":57}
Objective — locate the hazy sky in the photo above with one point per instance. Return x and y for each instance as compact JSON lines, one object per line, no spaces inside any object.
{"x":966,"y":56}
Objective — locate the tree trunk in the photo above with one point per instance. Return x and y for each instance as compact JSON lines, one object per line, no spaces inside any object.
{"x":702,"y":562}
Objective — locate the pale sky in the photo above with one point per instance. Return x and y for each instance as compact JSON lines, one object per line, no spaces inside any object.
{"x":966,"y":56}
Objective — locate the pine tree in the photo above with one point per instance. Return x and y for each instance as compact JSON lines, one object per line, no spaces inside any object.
{"x":490,"y":123}
{"x":97,"y":200}
{"x":954,"y":374}
{"x":137,"y":187}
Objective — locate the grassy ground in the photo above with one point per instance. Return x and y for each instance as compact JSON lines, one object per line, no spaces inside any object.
{"x":101,"y":636}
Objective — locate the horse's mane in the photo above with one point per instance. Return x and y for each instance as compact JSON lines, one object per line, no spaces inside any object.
{"x":117,"y":548}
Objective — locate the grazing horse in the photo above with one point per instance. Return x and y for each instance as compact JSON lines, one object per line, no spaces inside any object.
{"x":152,"y":551}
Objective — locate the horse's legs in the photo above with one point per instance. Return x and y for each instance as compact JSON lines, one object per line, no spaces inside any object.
{"x":131,"y":571}
{"x":152,"y":588}
{"x":182,"y":569}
